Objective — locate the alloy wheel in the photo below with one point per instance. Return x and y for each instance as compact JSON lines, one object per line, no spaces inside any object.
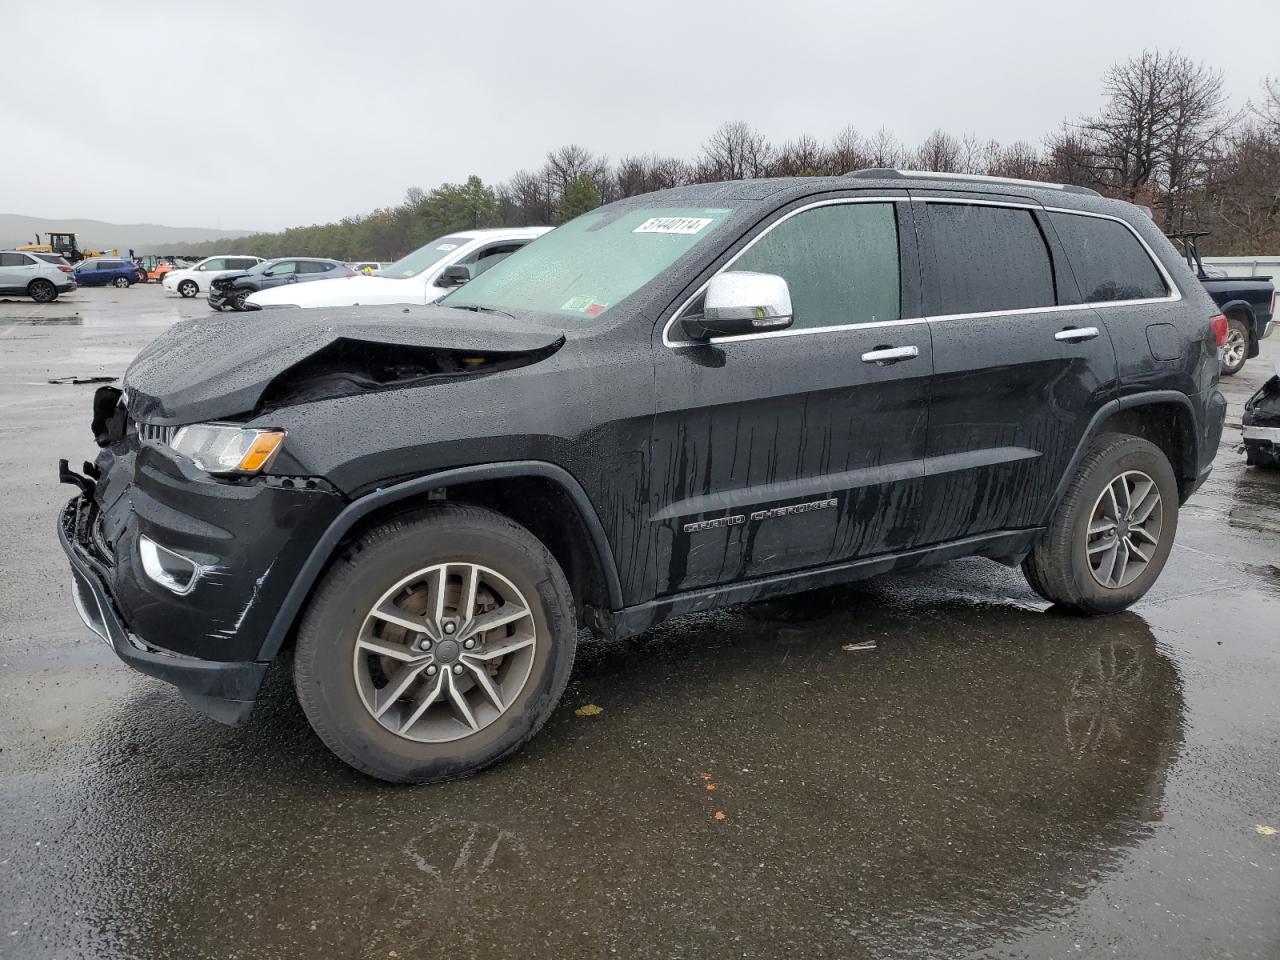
{"x":444,"y":652}
{"x":42,"y":291}
{"x":1233,"y":350}
{"x":1124,"y":529}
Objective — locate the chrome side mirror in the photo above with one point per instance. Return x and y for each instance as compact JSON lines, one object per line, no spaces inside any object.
{"x":738,"y":302}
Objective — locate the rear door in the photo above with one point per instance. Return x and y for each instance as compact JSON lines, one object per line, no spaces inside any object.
{"x":1020,"y":365}
{"x":789,"y":449}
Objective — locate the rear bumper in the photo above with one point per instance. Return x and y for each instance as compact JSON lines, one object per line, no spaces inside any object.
{"x":223,"y":690}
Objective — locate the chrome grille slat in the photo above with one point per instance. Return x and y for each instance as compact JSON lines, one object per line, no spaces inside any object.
{"x":154,"y":431}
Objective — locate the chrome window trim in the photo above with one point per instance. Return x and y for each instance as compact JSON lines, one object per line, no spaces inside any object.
{"x":1173,"y":297}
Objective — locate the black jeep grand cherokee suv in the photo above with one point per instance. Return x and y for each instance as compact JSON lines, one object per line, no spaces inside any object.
{"x":699,"y":397}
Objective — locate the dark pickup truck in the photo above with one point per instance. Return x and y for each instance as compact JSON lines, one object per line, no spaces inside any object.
{"x":1248,"y":303}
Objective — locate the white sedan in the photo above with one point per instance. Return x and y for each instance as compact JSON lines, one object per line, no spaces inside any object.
{"x":417,"y":278}
{"x":193,"y":281}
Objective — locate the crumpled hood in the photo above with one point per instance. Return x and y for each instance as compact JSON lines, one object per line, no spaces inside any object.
{"x":346,"y":292}
{"x":220,"y":365}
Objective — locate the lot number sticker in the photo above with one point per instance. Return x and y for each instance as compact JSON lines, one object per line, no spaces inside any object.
{"x":682,"y":225}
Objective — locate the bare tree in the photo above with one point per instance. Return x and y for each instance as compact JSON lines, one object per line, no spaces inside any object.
{"x":801,"y":157}
{"x":1019,"y":159}
{"x":526,"y":200}
{"x":644,"y":174}
{"x":734,"y":151}
{"x":940,"y":152}
{"x":1157,"y":133}
{"x":884,"y":150}
{"x":847,"y":152}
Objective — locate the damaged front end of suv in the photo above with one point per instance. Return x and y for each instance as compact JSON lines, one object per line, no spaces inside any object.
{"x":1261,"y":424}
{"x":194,"y":520}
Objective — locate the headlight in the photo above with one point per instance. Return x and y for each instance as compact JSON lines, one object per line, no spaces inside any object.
{"x":218,"y":448}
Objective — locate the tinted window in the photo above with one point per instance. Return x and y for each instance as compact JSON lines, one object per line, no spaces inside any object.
{"x":51,"y":258}
{"x":111,"y":265}
{"x":13,"y":260}
{"x":1107,"y":259}
{"x":989,"y":258}
{"x":242,"y":263}
{"x":840,"y":261}
{"x":313,"y":266}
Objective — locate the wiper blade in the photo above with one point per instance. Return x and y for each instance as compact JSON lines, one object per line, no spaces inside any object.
{"x":479,"y":308}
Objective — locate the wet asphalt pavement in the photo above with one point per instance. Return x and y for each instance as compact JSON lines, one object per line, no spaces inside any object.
{"x":991,"y":780}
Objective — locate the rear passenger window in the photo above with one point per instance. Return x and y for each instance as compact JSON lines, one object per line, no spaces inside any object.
{"x":1107,"y":259}
{"x":13,"y":260}
{"x":989,"y":258}
{"x":840,"y":261}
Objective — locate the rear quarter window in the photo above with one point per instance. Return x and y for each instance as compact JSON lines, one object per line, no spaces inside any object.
{"x":1107,"y":259}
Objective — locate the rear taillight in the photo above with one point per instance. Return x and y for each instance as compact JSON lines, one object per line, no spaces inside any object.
{"x":351,"y":273}
{"x":1220,"y":327}
{"x":64,"y":269}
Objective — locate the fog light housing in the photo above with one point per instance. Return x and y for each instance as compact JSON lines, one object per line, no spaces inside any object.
{"x":173,"y":571}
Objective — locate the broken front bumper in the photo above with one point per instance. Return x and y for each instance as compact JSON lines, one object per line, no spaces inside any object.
{"x":224,"y":691}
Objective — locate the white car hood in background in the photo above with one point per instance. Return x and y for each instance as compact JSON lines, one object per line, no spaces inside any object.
{"x":348,"y":292}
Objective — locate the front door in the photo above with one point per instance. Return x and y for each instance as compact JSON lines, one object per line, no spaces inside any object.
{"x":1020,"y":365}
{"x":779,"y":451}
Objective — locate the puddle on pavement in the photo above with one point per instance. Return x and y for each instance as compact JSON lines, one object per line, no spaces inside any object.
{"x":973,"y":773}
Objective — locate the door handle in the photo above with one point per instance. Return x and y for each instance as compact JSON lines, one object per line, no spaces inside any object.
{"x":1076,"y":334}
{"x":891,"y":354}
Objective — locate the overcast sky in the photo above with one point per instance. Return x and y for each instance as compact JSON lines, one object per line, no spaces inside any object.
{"x":271,"y":114}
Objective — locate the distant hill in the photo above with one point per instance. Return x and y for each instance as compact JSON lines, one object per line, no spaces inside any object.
{"x":97,"y":235}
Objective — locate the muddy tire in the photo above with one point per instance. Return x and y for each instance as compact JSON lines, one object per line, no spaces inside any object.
{"x":436,"y":645}
{"x":1111,"y":535}
{"x":1236,"y":350}
{"x":188,"y":288}
{"x":42,"y":291}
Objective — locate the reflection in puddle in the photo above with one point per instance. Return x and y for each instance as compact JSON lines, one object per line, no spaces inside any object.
{"x":974,"y":774}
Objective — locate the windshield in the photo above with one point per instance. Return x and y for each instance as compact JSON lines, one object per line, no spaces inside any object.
{"x":424,"y":258}
{"x":593,"y":262}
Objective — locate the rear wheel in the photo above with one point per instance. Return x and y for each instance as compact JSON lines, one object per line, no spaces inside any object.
{"x":42,"y":291}
{"x":1236,"y":350}
{"x":436,"y":646}
{"x":1111,"y":535}
{"x":121,"y":282}
{"x":188,"y":288}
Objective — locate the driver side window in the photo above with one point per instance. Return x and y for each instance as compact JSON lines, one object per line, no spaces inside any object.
{"x":840,"y":261}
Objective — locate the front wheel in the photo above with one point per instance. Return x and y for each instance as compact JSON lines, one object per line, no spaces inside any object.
{"x":436,"y":646}
{"x":188,"y":288}
{"x":1110,"y":536}
{"x":240,"y":301}
{"x":1235,"y":351}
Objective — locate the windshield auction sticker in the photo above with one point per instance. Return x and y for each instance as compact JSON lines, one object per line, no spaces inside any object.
{"x":684,"y":225}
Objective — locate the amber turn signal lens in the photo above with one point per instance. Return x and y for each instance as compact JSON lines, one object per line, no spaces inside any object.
{"x":261,"y":450}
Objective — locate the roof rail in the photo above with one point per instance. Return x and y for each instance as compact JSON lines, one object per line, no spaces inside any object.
{"x":882,"y":173}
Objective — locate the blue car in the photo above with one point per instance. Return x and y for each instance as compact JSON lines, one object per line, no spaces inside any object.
{"x":104,"y":271}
